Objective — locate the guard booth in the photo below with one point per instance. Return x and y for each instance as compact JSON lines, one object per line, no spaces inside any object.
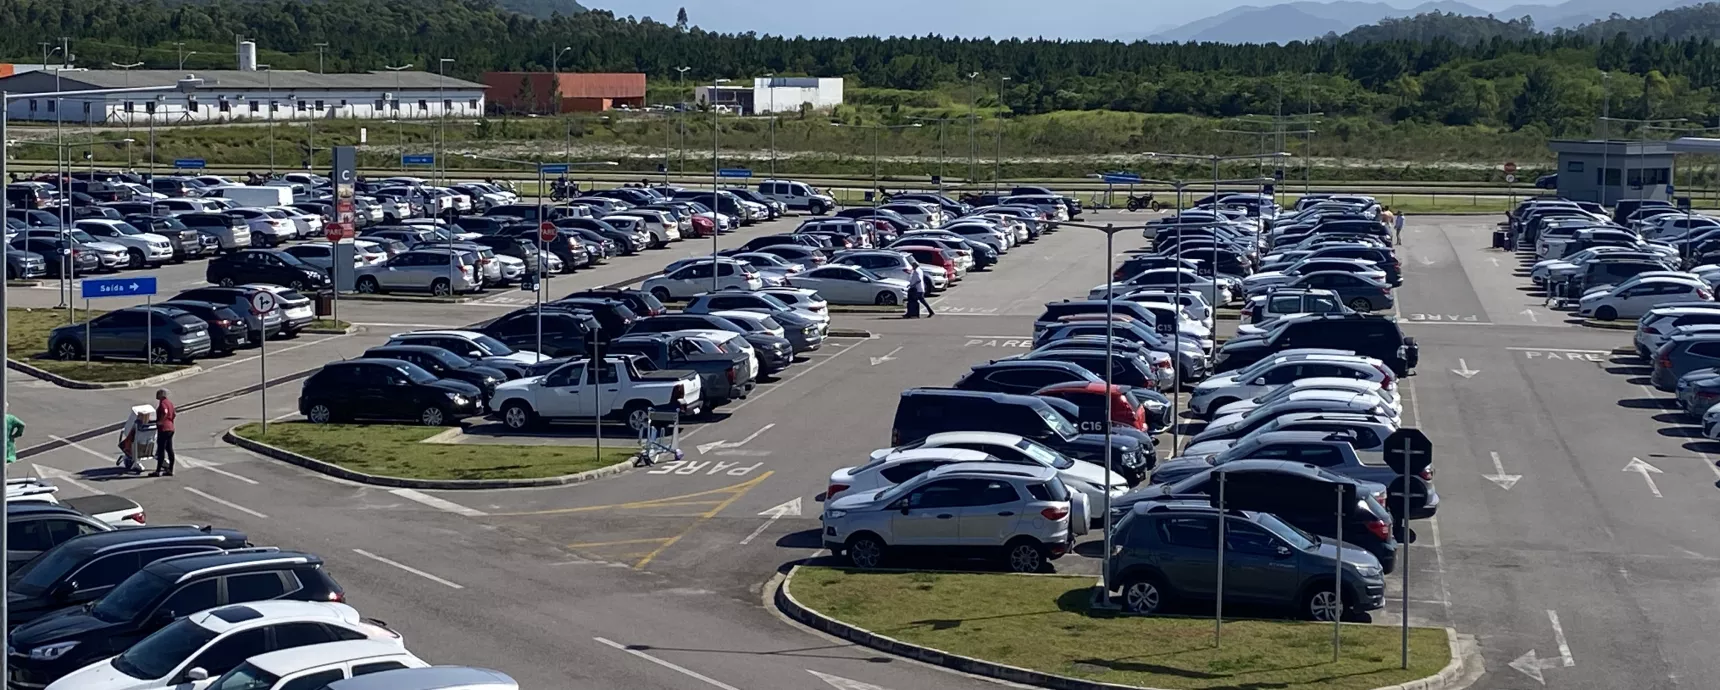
{"x":1605,"y":171}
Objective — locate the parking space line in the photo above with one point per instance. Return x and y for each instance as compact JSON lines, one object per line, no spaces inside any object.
{"x":407,"y":568}
{"x":623,"y":542}
{"x":778,"y":386}
{"x":277,"y":351}
{"x":666,"y":501}
{"x":221,"y":501}
{"x":668,"y":665}
{"x":1561,"y":349}
{"x":82,"y":447}
{"x":437,"y":503}
{"x":743,"y":489}
{"x":220,"y":471}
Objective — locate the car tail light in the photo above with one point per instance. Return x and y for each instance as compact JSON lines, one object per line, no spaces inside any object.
{"x":1055,"y":513}
{"x":136,"y":517}
{"x":1664,"y":362}
{"x":1426,"y":474}
{"x":1162,"y":364}
{"x":680,"y":390}
{"x":731,"y":375}
{"x":1380,"y":529}
{"x":337,"y":597}
{"x":831,"y":491}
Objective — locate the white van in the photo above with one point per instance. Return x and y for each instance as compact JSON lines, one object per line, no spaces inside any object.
{"x":256,"y":197}
{"x":798,"y":196}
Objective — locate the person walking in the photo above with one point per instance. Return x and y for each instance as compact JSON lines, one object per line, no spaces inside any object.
{"x":1397,"y":225}
{"x":14,"y":431}
{"x":165,"y":413}
{"x":917,"y":295}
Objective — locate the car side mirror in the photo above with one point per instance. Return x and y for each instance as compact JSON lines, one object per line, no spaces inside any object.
{"x":63,"y":591}
{"x":1259,"y":381}
{"x":1282,"y":551}
{"x":197,"y":674}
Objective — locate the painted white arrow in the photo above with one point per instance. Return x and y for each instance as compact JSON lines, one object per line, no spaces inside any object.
{"x":1532,"y":666}
{"x":1464,"y":370}
{"x":1494,"y":259}
{"x":1531,"y":314}
{"x":1647,"y":471}
{"x":1505,"y":481}
{"x":888,"y":357}
{"x":841,"y":683}
{"x":708,"y":447}
{"x":1426,"y":261}
{"x":778,"y":512}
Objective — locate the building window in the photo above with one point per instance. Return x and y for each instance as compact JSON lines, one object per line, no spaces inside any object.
{"x":447,"y":105}
{"x":86,"y":107}
{"x":342,"y":103}
{"x":319,"y":106}
{"x":32,"y":105}
{"x":192,"y":105}
{"x":1574,"y":166}
{"x":301,"y":105}
{"x":226,"y":107}
{"x":274,"y":106}
{"x":378,"y":105}
{"x":256,"y":105}
{"x":51,"y":106}
{"x":395,"y":105}
{"x":128,"y":106}
{"x":149,"y":107}
{"x":423,"y":104}
{"x":472,"y":104}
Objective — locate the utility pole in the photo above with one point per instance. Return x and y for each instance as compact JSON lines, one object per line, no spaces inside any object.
{"x":997,"y":166}
{"x":973,"y":118}
{"x":320,"y":47}
{"x":128,"y":115}
{"x":681,"y":122}
{"x":555,"y":81}
{"x":399,"y":126}
{"x":442,"y":119}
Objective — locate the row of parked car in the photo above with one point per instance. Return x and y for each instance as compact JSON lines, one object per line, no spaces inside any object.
{"x":119,"y":605}
{"x":1015,"y":452}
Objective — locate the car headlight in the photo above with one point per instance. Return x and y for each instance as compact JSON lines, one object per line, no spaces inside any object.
{"x":52,"y":651}
{"x":456,"y":397}
{"x":835,"y":514}
{"x":1369,"y":571}
{"x":491,"y":379}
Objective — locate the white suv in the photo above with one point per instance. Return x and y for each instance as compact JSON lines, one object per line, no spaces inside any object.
{"x":1018,"y":514}
{"x":141,"y":248}
{"x":896,"y":465}
{"x":314,"y":666}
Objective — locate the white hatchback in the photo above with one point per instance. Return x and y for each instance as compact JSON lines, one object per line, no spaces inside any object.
{"x":314,"y":666}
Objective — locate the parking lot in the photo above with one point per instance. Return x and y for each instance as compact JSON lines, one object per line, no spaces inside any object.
{"x":1567,"y":559}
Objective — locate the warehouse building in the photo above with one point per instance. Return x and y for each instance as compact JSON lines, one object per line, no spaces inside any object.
{"x":1607,"y":171}
{"x":774,"y":95}
{"x":564,"y":92}
{"x":248,"y":94}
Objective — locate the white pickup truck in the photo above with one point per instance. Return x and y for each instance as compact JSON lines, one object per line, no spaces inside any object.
{"x":616,"y":390}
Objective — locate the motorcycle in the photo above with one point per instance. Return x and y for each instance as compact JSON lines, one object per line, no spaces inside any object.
{"x":1137,"y":203}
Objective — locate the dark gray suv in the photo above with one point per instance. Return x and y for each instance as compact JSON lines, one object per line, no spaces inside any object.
{"x":1166,"y":552}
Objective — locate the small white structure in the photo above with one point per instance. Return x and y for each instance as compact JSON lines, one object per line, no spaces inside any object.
{"x":775,"y":95}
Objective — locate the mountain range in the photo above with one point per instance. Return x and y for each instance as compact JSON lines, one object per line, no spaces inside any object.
{"x":1294,"y":21}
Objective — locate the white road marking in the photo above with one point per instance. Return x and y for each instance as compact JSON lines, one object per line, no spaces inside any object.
{"x":759,"y":395}
{"x":220,"y":471}
{"x":841,"y":683}
{"x":1464,"y":370}
{"x":788,"y":508}
{"x":1505,"y":481}
{"x":403,"y":325}
{"x":86,"y":449}
{"x":668,"y":665}
{"x":708,"y":447}
{"x":57,"y":475}
{"x":275,"y":351}
{"x":1647,"y":471}
{"x":437,"y":503}
{"x":887,"y":357}
{"x":406,"y":568}
{"x":207,"y":496}
{"x":1559,"y":637}
{"x":1559,"y":349}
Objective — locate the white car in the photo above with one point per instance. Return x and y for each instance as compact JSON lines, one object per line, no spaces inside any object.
{"x":312,"y":666}
{"x":1020,"y":515}
{"x":1281,"y":369}
{"x":268,"y":228}
{"x":1087,"y":478}
{"x":468,"y":344}
{"x":1192,"y":302}
{"x":1318,"y":384}
{"x":309,"y":224}
{"x":190,"y":652}
{"x":141,"y":248}
{"x":842,"y":284}
{"x":1659,"y":323}
{"x":140,"y":191}
{"x":799,"y":298}
{"x":1628,"y":301}
{"x":693,"y":279}
{"x":1312,"y":401}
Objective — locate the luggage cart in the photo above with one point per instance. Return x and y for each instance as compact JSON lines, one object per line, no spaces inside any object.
{"x":137,"y":438}
{"x":662,"y":435}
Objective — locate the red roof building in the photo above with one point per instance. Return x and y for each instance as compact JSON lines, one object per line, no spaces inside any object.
{"x":565,"y":92}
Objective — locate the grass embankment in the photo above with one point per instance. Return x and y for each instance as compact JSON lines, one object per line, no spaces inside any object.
{"x":27,"y":341}
{"x":1043,"y":623}
{"x":398,"y":451}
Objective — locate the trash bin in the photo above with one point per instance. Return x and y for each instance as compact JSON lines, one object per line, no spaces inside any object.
{"x":1499,"y":239}
{"x":325,"y":303}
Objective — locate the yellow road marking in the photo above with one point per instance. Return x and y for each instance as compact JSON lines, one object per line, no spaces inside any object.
{"x":741,"y":490}
{"x":595,"y":544}
{"x":666,"y":501}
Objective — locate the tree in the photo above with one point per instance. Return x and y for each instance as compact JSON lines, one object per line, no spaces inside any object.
{"x":681,"y":19}
{"x":1538,"y":102}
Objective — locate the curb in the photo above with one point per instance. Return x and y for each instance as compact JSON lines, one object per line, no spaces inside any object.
{"x":857,"y":309}
{"x":64,"y":382}
{"x":24,"y":283}
{"x":1447,"y":677}
{"x":1610,"y":325}
{"x":847,"y":333}
{"x":334,"y":470}
{"x":349,"y":330}
{"x":411,"y":300}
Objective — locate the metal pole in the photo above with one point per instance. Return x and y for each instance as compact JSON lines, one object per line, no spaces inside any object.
{"x":1176,"y":341}
{"x":1218,"y":609}
{"x":1110,"y":351}
{"x":87,"y":334}
{"x":876,"y":192}
{"x":263,"y":368}
{"x":269,"y":83}
{"x":716,"y":227}
{"x":541,"y":219}
{"x":1403,"y":640}
{"x":597,"y":414}
{"x":1338,"y":576}
{"x":1213,"y":281}
{"x":1606,"y":138}
{"x":5,"y":620}
{"x":997,"y":163}
{"x":148,"y":330}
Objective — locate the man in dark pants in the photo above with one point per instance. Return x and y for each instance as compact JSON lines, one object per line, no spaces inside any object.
{"x":917,"y":295}
{"x":165,"y":413}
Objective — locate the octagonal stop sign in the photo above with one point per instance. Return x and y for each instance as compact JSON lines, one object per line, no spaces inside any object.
{"x":1408,"y":451}
{"x":547,"y":231}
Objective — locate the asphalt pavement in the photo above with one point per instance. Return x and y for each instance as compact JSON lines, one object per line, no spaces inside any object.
{"x":1552,"y":539}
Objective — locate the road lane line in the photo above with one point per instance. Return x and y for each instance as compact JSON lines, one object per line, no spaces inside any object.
{"x":437,"y":503}
{"x":277,"y":351}
{"x":84,"y":448}
{"x":1560,"y":349}
{"x":1559,"y":636}
{"x":690,"y":673}
{"x":742,"y":491}
{"x":55,"y":474}
{"x":406,"y":568}
{"x":758,"y":395}
{"x":218,"y":470}
{"x":207,"y":496}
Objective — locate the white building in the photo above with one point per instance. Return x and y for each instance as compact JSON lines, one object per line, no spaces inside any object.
{"x":240,"y":95}
{"x":775,"y":95}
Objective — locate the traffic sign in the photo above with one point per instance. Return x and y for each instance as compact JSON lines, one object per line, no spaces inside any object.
{"x":262,"y":302}
{"x":1510,"y":178}
{"x":1408,"y":451}
{"x":547,"y":231}
{"x":1120,"y":178}
{"x":1510,"y":167}
{"x":419,"y":159}
{"x":1418,"y":491}
{"x":553,"y":169}
{"x":118,"y":287}
{"x":734,"y":172}
{"x":337,"y":231}
{"x":189,"y":163}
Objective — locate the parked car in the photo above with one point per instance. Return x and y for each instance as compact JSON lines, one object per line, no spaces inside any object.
{"x":472,"y":345}
{"x":268,"y":266}
{"x":852,"y":285}
{"x":443,"y":365}
{"x":889,"y":466}
{"x":142,"y":248}
{"x":232,"y":233}
{"x":385,"y":389}
{"x":724,"y":374}
{"x":159,"y":334}
{"x":421,"y":270}
{"x":1364,"y":334}
{"x":228,"y":330}
{"x":921,"y":412}
{"x":64,"y":577}
{"x":565,"y":394}
{"x":702,"y":277}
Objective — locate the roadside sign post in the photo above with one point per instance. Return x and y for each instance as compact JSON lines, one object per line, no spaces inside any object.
{"x":96,"y":288}
{"x":1409,"y":453}
{"x":1218,"y":608}
{"x":262,"y":303}
{"x":1338,"y":577}
{"x":546,"y":232}
{"x":1510,"y":169}
{"x":344,"y":160}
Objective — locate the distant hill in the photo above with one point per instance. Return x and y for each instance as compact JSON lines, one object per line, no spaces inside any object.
{"x":543,"y":9}
{"x":1295,"y":21}
{"x":1454,"y":27}
{"x":1303,"y":20}
{"x":1697,"y":21}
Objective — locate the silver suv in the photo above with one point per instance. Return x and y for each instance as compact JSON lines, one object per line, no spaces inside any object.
{"x":420,"y":270}
{"x":1020,"y":515}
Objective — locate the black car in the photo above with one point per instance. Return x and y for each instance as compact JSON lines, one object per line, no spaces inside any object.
{"x":267,"y":266}
{"x":597,"y":230}
{"x":54,"y":250}
{"x":161,"y":592}
{"x":517,"y":247}
{"x":613,"y":315}
{"x":641,"y":302}
{"x":34,"y":527}
{"x":187,"y":243}
{"x":763,"y":241}
{"x":485,"y":225}
{"x":774,"y":353}
{"x":566,"y":332}
{"x":1022,"y":376}
{"x":386,"y":389}
{"x":469,"y":351}
{"x":1365,"y":334}
{"x":85,"y":568}
{"x":921,"y":412}
{"x":228,"y":330}
{"x":443,"y":364}
{"x":36,"y":218}
{"x":574,"y":248}
{"x":1127,"y":369}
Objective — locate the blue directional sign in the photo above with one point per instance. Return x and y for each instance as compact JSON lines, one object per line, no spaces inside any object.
{"x":419,"y":159}
{"x":189,"y":163}
{"x":555,"y":169}
{"x":118,"y":287}
{"x":1120,"y":178}
{"x":734,"y":172}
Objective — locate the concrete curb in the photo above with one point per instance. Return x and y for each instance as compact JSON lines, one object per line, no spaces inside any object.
{"x":349,"y":330}
{"x":64,"y":382}
{"x":847,"y":333}
{"x":411,"y":299}
{"x":1447,"y":678}
{"x":24,"y":283}
{"x":334,"y":470}
{"x":1610,"y":325}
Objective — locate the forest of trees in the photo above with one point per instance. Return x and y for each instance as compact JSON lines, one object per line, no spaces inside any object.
{"x":1515,"y":79}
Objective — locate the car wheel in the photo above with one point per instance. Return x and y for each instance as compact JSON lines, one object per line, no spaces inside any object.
{"x":638,"y":415}
{"x":1217,"y":405}
{"x":67,"y":350}
{"x":225,"y":282}
{"x":368,"y":286}
{"x":1361,"y":304}
{"x":433,"y":416}
{"x":1026,"y":556}
{"x":296,"y":285}
{"x":158,"y":354}
{"x":320,"y":413}
{"x":817,"y":208}
{"x":1143,"y":594}
{"x":1606,"y":313}
{"x":865,"y":551}
{"x":662,"y":294}
{"x":887,"y":299}
{"x":1320,"y":603}
{"x":440,"y":287}
{"x":134,"y":258}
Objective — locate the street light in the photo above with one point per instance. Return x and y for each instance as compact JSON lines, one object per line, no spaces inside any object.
{"x":320,"y":48}
{"x":555,"y":81}
{"x":942,"y":152}
{"x":269,"y":85}
{"x":875,"y":129}
{"x":681,"y":121}
{"x":400,"y":128}
{"x":997,"y":164}
{"x":180,"y":46}
{"x":442,"y":117}
{"x":716,"y":132}
{"x":771,"y":84}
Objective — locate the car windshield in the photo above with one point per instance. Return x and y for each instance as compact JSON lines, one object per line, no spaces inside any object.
{"x":1057,"y":423}
{"x":127,"y":601}
{"x":446,"y":358}
{"x":1188,"y":484}
{"x":495,"y":348}
{"x":125,"y":228}
{"x":35,"y":577}
{"x":769,"y":323}
{"x":416,"y":373}
{"x":291,"y":260}
{"x":157,"y":655}
{"x":245,"y":677}
{"x":1298,"y":539}
{"x":1043,"y":454}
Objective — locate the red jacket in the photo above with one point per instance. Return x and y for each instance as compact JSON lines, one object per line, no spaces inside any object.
{"x":166,"y":412}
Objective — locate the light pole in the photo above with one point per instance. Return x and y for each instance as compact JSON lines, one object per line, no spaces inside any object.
{"x":184,"y":85}
{"x":127,"y":68}
{"x":716,"y":132}
{"x":269,"y":85}
{"x":943,"y":153}
{"x":442,"y":118}
{"x":771,"y":84}
{"x":320,"y":48}
{"x":180,"y":48}
{"x":681,"y":122}
{"x":997,"y":166}
{"x":973,"y":121}
{"x":555,"y":80}
{"x":876,"y":192}
{"x":400,"y":128}
{"x":159,"y":103}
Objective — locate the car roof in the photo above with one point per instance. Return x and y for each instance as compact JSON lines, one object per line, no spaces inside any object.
{"x":178,"y":566}
{"x":168,"y":533}
{"x":456,"y":333}
{"x":939,"y":453}
{"x":985,"y":469}
{"x":24,"y":506}
{"x":1296,"y":436}
{"x":430,"y":678}
{"x":994,"y":437}
{"x":288,"y":661}
{"x":252,"y":614}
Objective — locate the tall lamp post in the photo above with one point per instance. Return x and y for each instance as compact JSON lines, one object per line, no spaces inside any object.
{"x":320,"y":48}
{"x":771,"y":84}
{"x":555,"y":80}
{"x":997,"y":164}
{"x":942,"y":151}
{"x":442,"y":118}
{"x":269,"y":86}
{"x":681,"y":121}
{"x":875,"y":130}
{"x":716,"y":132}
{"x":185,"y":85}
{"x":400,"y":127}
{"x":127,"y":67}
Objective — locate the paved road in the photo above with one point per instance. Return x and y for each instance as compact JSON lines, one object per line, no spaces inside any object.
{"x":1594,"y":568}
